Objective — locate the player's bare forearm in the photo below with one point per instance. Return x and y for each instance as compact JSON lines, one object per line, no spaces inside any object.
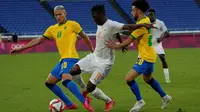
{"x":165,"y":35}
{"x":119,"y":37}
{"x":124,"y":49}
{"x":125,"y":43}
{"x":132,"y":27}
{"x":33,"y":43}
{"x":126,"y":32}
{"x":89,"y":44}
{"x":87,"y":40}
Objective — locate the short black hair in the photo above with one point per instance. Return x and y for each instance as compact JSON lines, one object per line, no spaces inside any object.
{"x":98,"y":8}
{"x":152,"y":10}
{"x":143,"y":5}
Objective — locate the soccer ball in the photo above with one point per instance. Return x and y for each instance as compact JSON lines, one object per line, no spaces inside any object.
{"x":56,"y":105}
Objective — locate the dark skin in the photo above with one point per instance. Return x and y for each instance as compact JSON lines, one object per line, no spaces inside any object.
{"x":152,"y":18}
{"x":100,"y":18}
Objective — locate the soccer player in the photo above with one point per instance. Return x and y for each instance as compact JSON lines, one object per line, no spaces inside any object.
{"x":65,"y":34}
{"x":158,"y":35}
{"x":100,"y":62}
{"x":146,"y":58}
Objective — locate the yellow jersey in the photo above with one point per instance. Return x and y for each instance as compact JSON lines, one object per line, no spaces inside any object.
{"x":65,"y":36}
{"x":143,"y":38}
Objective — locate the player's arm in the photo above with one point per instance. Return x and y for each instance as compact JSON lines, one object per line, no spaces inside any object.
{"x":165,"y":33}
{"x":132,"y":27}
{"x":125,"y":32}
{"x":78,"y":30}
{"x":32,"y":43}
{"x":134,"y":35}
{"x":87,"y":40}
{"x":124,"y":49}
{"x":163,"y":36}
{"x":126,"y":43}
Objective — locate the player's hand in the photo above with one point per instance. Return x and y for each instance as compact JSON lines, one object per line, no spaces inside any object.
{"x":148,"y":26}
{"x":111,"y":44}
{"x":124,"y":49}
{"x":16,"y":51}
{"x":158,"y":40}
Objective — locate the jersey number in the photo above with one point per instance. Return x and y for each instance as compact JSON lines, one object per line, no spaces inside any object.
{"x":140,"y":61}
{"x":150,"y":38}
{"x":59,"y":34}
{"x":64,"y":65}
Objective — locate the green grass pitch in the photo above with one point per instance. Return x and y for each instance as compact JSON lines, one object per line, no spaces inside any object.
{"x":22,"y":80}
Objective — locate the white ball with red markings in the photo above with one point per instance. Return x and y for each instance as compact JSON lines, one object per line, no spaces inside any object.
{"x":56,"y":105}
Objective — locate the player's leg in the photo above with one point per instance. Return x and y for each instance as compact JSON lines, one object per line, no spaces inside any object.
{"x":165,"y":67}
{"x":95,"y":79}
{"x":161,"y":53}
{"x":51,"y":81}
{"x":147,"y":77}
{"x":77,"y":77}
{"x":130,"y":79}
{"x":68,"y":83}
{"x":84,"y":65}
{"x":79,"y":80}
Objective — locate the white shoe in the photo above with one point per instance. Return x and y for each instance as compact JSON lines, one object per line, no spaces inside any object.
{"x":138,"y":105}
{"x":165,"y":101}
{"x":167,"y":81}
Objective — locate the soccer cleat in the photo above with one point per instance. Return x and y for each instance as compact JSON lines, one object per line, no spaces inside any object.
{"x":84,"y":93}
{"x":138,"y":106}
{"x":165,"y":101}
{"x":70,"y":107}
{"x":167,"y":81}
{"x":109,"y":105}
{"x":87,"y":105}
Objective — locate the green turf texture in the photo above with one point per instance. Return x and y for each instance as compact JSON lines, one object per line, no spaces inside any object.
{"x":22,"y":80}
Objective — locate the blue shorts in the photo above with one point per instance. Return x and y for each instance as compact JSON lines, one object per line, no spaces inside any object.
{"x":63,"y":66}
{"x":143,"y":67}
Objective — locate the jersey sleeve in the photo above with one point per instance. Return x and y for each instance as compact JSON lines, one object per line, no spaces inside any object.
{"x":137,"y":33}
{"x":116,"y":27}
{"x":77,"y":27}
{"x":48,"y":33}
{"x":163,"y":27}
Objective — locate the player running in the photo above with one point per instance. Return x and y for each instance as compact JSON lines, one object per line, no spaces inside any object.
{"x":65,"y":34}
{"x":158,"y":35}
{"x":100,"y":62}
{"x":146,"y":57}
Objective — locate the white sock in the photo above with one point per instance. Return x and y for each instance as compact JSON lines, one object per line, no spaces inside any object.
{"x":79,"y":80}
{"x":166,"y":73}
{"x":97,"y":93}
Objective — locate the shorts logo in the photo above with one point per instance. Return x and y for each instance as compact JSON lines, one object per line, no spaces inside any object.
{"x":64,"y":65}
{"x":98,"y":76}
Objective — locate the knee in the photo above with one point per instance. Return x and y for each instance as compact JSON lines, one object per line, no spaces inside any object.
{"x":147,"y":79}
{"x":90,"y":87}
{"x":128,"y":79}
{"x":65,"y":82}
{"x":48,"y":84}
{"x":75,"y":70}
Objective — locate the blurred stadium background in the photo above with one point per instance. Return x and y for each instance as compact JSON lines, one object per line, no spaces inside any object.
{"x":22,"y":20}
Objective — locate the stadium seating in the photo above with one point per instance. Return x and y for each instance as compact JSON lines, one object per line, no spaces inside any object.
{"x":29,"y":16}
{"x":24,"y":16}
{"x":177,"y":14}
{"x":80,"y":12}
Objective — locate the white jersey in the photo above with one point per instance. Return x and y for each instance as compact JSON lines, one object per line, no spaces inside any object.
{"x":106,"y":32}
{"x":156,"y":33}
